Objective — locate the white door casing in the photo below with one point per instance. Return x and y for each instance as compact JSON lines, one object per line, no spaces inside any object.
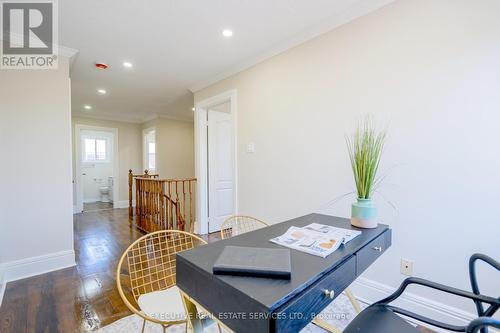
{"x":201,"y":154}
{"x":220,"y":168}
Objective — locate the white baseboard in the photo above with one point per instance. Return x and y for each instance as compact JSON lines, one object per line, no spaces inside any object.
{"x":369,"y":291}
{"x":24,"y":268}
{"x":122,"y":204}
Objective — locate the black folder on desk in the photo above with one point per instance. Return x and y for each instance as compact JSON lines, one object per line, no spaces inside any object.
{"x":253,"y":261}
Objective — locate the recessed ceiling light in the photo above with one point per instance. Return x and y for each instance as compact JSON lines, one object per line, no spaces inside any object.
{"x":227,"y":33}
{"x":87,"y":107}
{"x":193,"y":109}
{"x":102,"y":91}
{"x":127,"y":64}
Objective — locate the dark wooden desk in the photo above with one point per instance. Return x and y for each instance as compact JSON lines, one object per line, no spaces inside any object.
{"x":247,"y":304}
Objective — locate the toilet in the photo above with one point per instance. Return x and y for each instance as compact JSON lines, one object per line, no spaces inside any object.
{"x":107,"y":191}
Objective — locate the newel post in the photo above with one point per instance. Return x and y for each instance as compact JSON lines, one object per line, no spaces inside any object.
{"x":130,"y":183}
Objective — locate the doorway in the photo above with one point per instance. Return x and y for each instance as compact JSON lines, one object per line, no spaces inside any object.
{"x":216,"y":168}
{"x":96,"y":168}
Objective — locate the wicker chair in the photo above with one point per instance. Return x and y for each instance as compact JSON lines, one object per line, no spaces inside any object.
{"x":237,"y":225}
{"x":150,"y":266}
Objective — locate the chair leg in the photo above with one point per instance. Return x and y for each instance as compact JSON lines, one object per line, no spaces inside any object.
{"x":326,"y":326}
{"x":353,"y":300}
{"x":330,"y":328}
{"x":143,"y":325}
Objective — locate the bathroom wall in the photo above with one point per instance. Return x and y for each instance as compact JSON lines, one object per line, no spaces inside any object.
{"x":96,"y":176}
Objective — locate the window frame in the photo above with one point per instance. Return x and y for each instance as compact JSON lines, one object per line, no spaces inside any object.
{"x":107,"y":149}
{"x":147,"y":134}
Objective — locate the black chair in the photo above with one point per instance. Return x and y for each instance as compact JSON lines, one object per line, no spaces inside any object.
{"x":382,"y":317}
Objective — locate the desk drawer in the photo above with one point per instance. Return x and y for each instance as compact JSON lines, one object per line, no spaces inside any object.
{"x":368,"y":254}
{"x":293,"y":316}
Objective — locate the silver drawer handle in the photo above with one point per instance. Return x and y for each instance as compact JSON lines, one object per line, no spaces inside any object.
{"x":378,"y":248}
{"x":330,"y":293}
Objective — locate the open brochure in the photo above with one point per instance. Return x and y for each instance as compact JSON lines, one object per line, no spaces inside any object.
{"x":317,"y":239}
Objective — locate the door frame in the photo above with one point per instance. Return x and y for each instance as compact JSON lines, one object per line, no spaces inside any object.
{"x":201,"y":155}
{"x":78,"y":166}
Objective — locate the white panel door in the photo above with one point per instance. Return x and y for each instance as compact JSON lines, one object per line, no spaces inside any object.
{"x":220,"y":169}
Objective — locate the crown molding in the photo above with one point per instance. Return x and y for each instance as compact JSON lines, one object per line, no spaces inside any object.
{"x":177,"y":118}
{"x":107,"y":116}
{"x":359,"y":9}
{"x":128,"y":119}
{"x":155,"y":116}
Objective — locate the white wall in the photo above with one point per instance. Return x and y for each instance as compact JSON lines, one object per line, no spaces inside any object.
{"x":36,"y":223}
{"x":96,"y":176}
{"x":430,"y":70}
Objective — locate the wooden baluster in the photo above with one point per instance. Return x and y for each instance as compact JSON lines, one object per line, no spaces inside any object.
{"x":171,"y":220}
{"x":158,"y":205}
{"x":150,"y":206}
{"x":162,"y":201}
{"x":146,"y":205}
{"x":138,"y":199}
{"x":176,"y":200}
{"x":155,"y":204}
{"x":130,"y":210}
{"x":138,"y":202}
{"x":167,"y":220}
{"x":191,"y":219}
{"x":143,"y":204}
{"x":184,"y":202}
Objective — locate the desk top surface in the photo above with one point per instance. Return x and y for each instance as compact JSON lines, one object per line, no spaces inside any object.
{"x":306,"y":268}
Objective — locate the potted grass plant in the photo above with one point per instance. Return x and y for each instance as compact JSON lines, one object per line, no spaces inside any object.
{"x":365,"y":149}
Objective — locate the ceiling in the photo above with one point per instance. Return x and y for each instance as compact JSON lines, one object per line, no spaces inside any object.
{"x":177,"y":47}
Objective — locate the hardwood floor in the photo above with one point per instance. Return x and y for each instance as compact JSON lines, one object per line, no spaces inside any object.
{"x":78,"y":299}
{"x":93,"y":206}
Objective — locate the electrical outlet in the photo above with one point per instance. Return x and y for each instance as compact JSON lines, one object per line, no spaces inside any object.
{"x":406,"y":267}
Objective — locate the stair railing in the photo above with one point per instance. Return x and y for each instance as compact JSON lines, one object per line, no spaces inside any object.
{"x":131,"y":178}
{"x":163,"y":204}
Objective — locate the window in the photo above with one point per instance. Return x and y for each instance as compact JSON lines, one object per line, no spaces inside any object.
{"x":150,"y":149}
{"x":95,"y":150}
{"x":151,"y":155}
